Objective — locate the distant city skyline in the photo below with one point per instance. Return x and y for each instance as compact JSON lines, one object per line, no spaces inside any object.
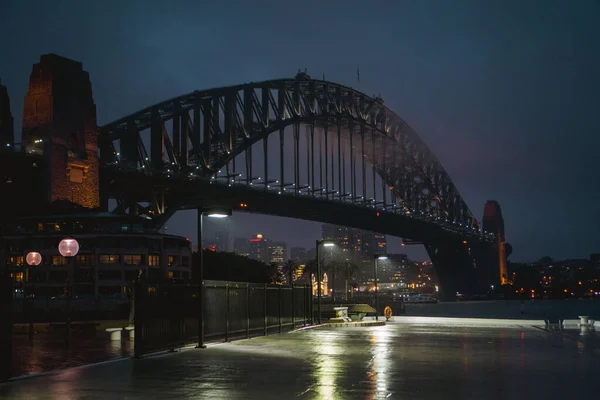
{"x":274,"y":227}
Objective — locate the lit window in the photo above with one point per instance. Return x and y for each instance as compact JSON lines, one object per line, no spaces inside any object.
{"x":154,"y":261}
{"x":84,"y":259}
{"x":130,"y":259}
{"x":15,"y":261}
{"x":172,"y":260}
{"x":170,"y":274}
{"x":17,"y":276}
{"x":109,"y":259}
{"x":59,"y":260}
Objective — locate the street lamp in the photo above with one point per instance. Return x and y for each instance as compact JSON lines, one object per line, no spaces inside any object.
{"x":211,"y":213}
{"x":69,"y":248}
{"x":33,"y":259}
{"x":325,"y":243}
{"x":376,"y":258}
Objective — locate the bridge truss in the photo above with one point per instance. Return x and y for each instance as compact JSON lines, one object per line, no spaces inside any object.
{"x":202,"y":138}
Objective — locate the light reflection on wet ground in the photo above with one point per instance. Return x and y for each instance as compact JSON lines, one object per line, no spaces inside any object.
{"x":395,"y":361}
{"x":45,"y":352}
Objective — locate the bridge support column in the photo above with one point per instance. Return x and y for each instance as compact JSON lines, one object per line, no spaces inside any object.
{"x":455,"y":269}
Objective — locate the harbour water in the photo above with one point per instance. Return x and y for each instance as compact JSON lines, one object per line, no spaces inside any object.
{"x":512,"y":309}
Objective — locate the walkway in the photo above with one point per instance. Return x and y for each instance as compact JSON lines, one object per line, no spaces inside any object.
{"x":395,"y":361}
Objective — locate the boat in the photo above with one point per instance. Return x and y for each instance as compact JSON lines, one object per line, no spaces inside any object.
{"x":419,"y":299}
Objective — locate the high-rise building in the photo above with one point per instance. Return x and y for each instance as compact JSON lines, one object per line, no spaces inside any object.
{"x":222,"y":241}
{"x":277,"y":253}
{"x":380,"y":243}
{"x":355,"y":244}
{"x":7,"y":134}
{"x":348,"y":240}
{"x":241,"y":246}
{"x":298,"y":255}
{"x":259,"y":248}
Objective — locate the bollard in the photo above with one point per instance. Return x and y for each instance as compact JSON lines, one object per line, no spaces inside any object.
{"x":115,"y":333}
{"x":131,"y":330}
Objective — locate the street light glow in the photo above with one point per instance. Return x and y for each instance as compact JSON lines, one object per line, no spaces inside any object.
{"x":382,"y":257}
{"x":217,"y":215}
{"x":68,"y":247}
{"x":328,"y":244}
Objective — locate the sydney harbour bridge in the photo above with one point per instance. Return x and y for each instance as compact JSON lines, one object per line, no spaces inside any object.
{"x":352,"y":161}
{"x":298,"y":147}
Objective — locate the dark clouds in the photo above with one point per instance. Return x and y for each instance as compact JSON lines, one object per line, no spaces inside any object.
{"x":505,"y":93}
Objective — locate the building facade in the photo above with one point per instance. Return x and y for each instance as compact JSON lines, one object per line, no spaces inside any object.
{"x":299,"y":255}
{"x":113,"y":252}
{"x":277,"y":253}
{"x":241,"y":246}
{"x":259,"y":248}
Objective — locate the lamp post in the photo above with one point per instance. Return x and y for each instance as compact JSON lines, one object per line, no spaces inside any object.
{"x":325,"y":243}
{"x":376,"y":258}
{"x":33,"y":259}
{"x":69,"y":248}
{"x":213,"y":213}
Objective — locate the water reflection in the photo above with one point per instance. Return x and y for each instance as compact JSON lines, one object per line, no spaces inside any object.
{"x":377,"y":374}
{"x":46,"y":352}
{"x":328,"y":365}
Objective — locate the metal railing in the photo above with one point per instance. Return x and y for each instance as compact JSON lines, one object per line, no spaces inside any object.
{"x":6,"y":290}
{"x":168,"y":316}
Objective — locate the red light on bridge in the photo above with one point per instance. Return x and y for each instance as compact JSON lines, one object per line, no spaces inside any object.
{"x":377,"y":214}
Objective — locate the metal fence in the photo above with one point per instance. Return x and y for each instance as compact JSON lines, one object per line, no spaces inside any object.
{"x":168,"y":316}
{"x":5,"y":326}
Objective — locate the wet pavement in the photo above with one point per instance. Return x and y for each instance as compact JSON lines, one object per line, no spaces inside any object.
{"x":46,"y":352}
{"x":394,"y":361}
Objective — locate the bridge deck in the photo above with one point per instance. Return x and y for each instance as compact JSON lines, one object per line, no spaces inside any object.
{"x":397,"y":360}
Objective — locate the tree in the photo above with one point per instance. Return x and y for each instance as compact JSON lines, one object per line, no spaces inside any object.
{"x":223,"y":266}
{"x":310,"y":269}
{"x":349,"y":268}
{"x":333,"y":267}
{"x":289,"y":270}
{"x":277,"y":277}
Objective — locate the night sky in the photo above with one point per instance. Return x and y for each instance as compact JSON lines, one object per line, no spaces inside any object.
{"x":505,"y":93}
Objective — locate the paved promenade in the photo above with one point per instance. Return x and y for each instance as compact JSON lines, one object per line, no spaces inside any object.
{"x":397,"y":361}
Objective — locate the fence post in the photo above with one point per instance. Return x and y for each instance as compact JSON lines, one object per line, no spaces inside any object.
{"x":247,"y":311}
{"x":309,"y":295}
{"x":293,"y":308}
{"x":138,"y":322}
{"x":201,"y":295}
{"x":280,"y":306}
{"x":6,"y":294}
{"x":306,"y":303}
{"x":265,"y":309}
{"x":227,"y":311}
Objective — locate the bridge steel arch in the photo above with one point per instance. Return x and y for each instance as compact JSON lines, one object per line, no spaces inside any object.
{"x":210,"y":128}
